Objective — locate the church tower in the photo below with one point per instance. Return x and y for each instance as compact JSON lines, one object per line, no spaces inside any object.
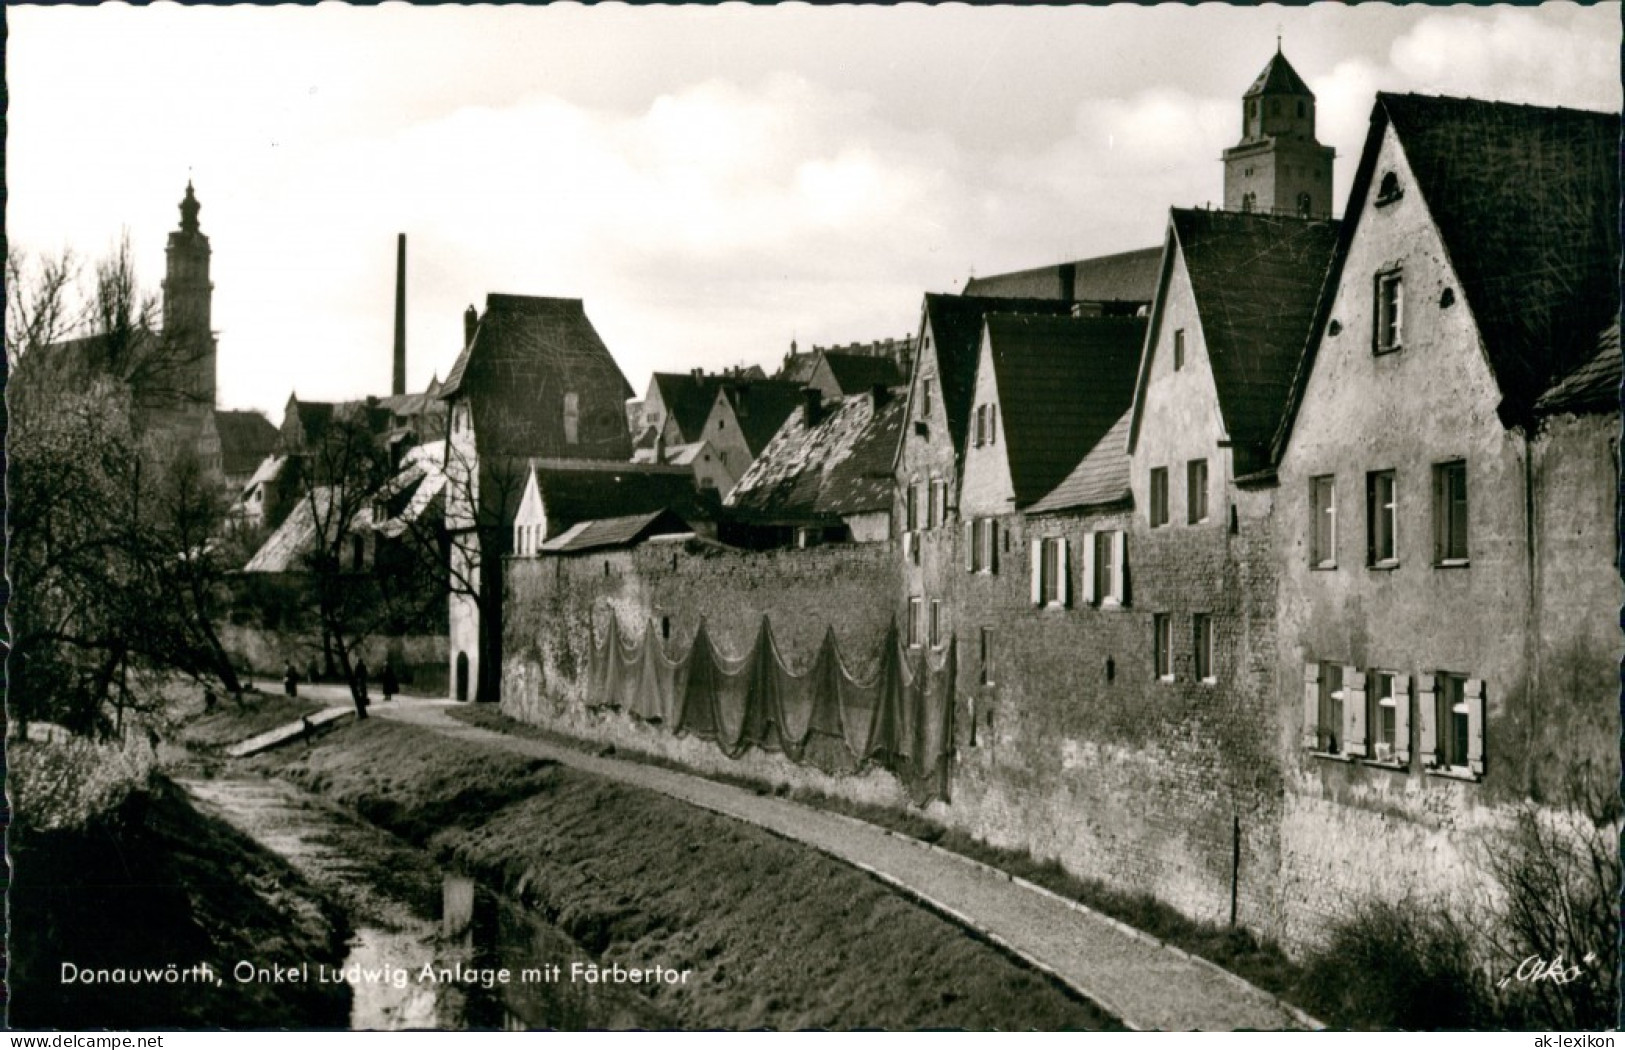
{"x":1279,"y":166}
{"x":187,"y":296}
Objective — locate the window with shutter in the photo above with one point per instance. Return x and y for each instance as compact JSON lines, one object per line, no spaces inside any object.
{"x":1402,"y":720}
{"x":1354,"y":712}
{"x":1428,"y":715}
{"x":1382,"y":714}
{"x":1202,"y":646}
{"x":1119,"y":568}
{"x":1088,"y":591}
{"x":1455,"y":721}
{"x":1311,"y":706}
{"x":1331,"y":736}
{"x":1162,"y":643}
{"x":1450,"y":513}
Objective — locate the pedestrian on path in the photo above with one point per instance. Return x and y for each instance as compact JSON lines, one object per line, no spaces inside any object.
{"x":290,"y":680}
{"x":388,"y":683}
{"x":361,"y":700}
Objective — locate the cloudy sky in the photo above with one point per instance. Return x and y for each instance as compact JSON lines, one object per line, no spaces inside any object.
{"x":713,"y":181}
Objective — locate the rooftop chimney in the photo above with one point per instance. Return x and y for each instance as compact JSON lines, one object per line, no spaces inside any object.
{"x":397,"y":385}
{"x":812,"y":406}
{"x":471,"y":322}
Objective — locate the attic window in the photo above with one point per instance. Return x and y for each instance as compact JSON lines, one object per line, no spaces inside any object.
{"x":1388,"y":190}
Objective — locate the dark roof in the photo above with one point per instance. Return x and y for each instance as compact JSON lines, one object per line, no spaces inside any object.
{"x":761,"y":406}
{"x":246,"y":438}
{"x":1526,"y":200}
{"x":688,"y":399}
{"x":526,"y":352}
{"x":615,"y":532}
{"x":956,"y":325}
{"x":860,"y":373}
{"x":841,"y":466}
{"x":1127,"y":277}
{"x":1593,"y":387}
{"x":1062,"y":382}
{"x":1255,"y":280}
{"x":1278,"y":78}
{"x":577,"y":490}
{"x":1100,"y":479}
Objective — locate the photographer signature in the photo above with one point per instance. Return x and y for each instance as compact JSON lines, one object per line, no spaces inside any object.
{"x":1535,"y":969}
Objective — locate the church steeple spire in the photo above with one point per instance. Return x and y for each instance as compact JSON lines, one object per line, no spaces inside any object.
{"x":188,"y":296}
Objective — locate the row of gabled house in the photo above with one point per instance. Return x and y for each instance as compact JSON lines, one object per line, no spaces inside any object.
{"x":1281,"y":560}
{"x":1277,"y":561}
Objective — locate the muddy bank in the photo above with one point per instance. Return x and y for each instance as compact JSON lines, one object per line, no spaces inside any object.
{"x":150,"y":883}
{"x":770,"y":933}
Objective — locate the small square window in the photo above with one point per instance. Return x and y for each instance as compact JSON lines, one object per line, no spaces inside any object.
{"x":1162,"y":646}
{"x":1159,"y":496}
{"x":1450,"y":513}
{"x":1202,"y":645}
{"x":1323,"y":522}
{"x":1390,"y":312}
{"x":1381,"y":519}
{"x":1196,"y":490}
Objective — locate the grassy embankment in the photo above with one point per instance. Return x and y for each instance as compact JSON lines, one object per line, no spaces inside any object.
{"x":112,"y":867}
{"x":777,"y":935}
{"x":1261,"y":962}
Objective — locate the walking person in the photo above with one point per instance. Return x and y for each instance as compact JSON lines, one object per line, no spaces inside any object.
{"x":290,"y":680}
{"x":388,"y":683}
{"x":361,"y":700}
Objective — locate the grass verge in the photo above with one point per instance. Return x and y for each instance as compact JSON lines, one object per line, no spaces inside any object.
{"x":1239,"y":951}
{"x":776,"y":934}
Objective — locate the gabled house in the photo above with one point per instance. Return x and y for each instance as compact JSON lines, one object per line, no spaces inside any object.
{"x":698,"y":456}
{"x":534,"y":380}
{"x":824,"y":478}
{"x":1445,"y":508}
{"x":676,"y":406}
{"x":837,"y":375}
{"x":560,"y":494}
{"x":744,"y":417}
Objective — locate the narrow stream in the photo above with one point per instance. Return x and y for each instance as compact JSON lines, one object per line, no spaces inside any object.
{"x":428,"y":945}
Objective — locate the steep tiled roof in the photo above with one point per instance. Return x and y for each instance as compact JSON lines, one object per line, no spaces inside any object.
{"x":1100,"y":479}
{"x":1526,"y":200}
{"x":287,"y":548}
{"x":860,"y":373}
{"x":615,"y":532}
{"x":246,"y":438}
{"x":575,"y":490}
{"x":1593,"y":387}
{"x":761,"y":406}
{"x":1278,"y":78}
{"x":1127,"y":277}
{"x":1062,"y":382}
{"x":841,"y":465}
{"x":526,"y":352}
{"x":956,"y":323}
{"x":688,"y":399}
{"x":1256,"y":280}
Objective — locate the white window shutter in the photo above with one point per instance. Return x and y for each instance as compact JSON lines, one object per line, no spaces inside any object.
{"x":1119,"y":566}
{"x":1475,"y":725}
{"x":908,"y":546}
{"x":1402,"y":719}
{"x":1088,"y":594}
{"x":1354,"y":740}
{"x":1037,"y":563}
{"x":1311,"y":706}
{"x":1428,"y":715}
{"x":1063,"y":572}
{"x":970,"y":546}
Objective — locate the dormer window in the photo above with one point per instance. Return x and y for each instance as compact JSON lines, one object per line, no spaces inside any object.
{"x":1388,"y":190}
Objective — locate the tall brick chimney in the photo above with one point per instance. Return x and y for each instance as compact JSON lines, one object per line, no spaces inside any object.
{"x":397,"y":384}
